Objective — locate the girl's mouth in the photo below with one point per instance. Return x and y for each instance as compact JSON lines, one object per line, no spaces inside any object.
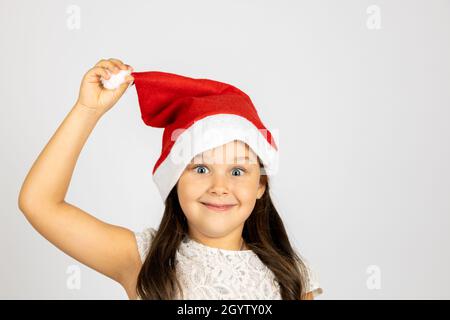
{"x":218,"y":208}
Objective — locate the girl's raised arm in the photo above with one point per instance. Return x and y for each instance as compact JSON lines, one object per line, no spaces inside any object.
{"x":106,"y":248}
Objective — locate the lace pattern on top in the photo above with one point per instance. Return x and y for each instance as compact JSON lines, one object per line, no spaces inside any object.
{"x":212,"y":273}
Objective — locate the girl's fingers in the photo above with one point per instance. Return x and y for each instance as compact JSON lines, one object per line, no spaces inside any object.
{"x":101,"y":71}
{"x":129,"y":78}
{"x":115,"y":60}
{"x":125,"y":85}
{"x":119,"y":63}
{"x":108,"y":64}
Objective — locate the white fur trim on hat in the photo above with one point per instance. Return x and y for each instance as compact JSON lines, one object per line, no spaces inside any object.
{"x":115,"y":80}
{"x":208,"y":133}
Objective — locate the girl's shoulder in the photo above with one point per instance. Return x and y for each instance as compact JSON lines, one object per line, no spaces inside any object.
{"x":143,"y":240}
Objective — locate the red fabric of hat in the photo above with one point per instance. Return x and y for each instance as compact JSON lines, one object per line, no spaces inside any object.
{"x":181,"y":105}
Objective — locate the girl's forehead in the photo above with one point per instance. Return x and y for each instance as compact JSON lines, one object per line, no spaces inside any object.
{"x":232,"y":152}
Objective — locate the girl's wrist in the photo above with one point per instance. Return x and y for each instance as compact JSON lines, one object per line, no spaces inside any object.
{"x":89,"y":111}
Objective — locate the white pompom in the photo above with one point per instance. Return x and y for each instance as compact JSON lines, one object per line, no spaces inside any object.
{"x":115,"y":80}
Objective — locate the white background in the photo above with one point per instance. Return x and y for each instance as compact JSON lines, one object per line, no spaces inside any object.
{"x":363,"y":116}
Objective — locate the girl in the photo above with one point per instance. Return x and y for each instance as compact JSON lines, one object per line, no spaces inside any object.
{"x":220,"y":236}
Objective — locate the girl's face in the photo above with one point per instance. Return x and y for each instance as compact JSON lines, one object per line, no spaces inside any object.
{"x":229,"y":174}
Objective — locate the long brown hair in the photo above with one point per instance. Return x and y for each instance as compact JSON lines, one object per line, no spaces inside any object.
{"x":263,"y":232}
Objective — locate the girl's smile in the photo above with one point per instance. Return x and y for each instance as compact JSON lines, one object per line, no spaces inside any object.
{"x":216,"y":207}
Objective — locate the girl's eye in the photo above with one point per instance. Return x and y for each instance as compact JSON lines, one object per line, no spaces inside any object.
{"x":197,"y":167}
{"x":235,"y":170}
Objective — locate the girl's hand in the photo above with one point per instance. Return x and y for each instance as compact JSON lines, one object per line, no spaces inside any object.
{"x":92,"y":93}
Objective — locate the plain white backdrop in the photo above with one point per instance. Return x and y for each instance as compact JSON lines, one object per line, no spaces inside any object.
{"x":358,"y":90}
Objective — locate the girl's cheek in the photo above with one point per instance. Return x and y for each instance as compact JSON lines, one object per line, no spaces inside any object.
{"x":197,"y":184}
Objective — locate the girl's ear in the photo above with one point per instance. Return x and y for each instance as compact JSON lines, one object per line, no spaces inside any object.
{"x":263,"y":180}
{"x":262,"y":187}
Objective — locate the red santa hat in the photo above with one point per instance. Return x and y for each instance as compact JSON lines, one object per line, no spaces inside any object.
{"x":198,"y":115}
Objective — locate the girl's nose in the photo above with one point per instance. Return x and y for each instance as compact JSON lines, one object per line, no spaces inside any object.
{"x":219,"y":185}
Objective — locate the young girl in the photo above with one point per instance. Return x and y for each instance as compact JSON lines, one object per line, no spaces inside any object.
{"x":220,"y":236}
